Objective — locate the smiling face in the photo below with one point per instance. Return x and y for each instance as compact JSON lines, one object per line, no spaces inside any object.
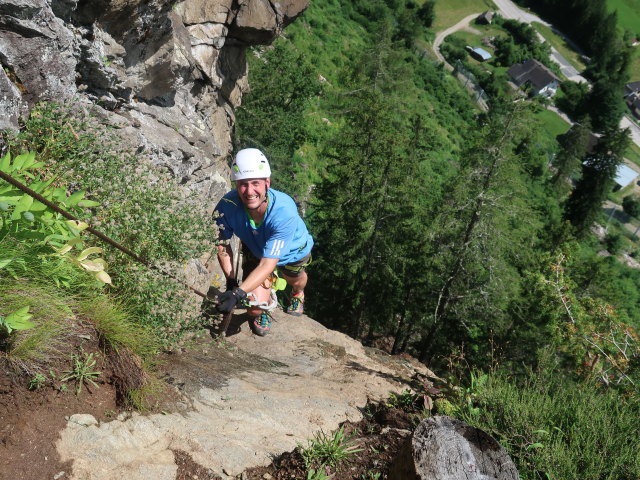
{"x":253,"y":191}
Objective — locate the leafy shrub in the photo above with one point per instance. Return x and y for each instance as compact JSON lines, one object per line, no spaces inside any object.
{"x":139,"y":206}
{"x":631,"y":206}
{"x":614,"y":243}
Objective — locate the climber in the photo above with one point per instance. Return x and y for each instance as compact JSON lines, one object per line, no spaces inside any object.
{"x":273,"y":235}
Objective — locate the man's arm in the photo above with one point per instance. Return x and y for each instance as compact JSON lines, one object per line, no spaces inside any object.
{"x":225,"y":259}
{"x":259,"y":274}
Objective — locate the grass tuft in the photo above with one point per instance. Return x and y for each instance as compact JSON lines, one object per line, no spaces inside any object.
{"x":32,"y":349}
{"x":328,"y":450}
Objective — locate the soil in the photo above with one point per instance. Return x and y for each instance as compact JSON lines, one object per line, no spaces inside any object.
{"x":31,"y":419}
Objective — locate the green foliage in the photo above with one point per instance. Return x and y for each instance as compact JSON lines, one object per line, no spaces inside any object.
{"x":606,"y":105}
{"x":18,"y":320}
{"x":598,"y":173}
{"x":598,"y":342}
{"x":470,"y":247}
{"x":316,"y":475}
{"x":31,"y":349}
{"x":568,"y":162}
{"x":631,"y":206}
{"x":403,"y":400}
{"x":328,"y":450}
{"x":37,"y":382}
{"x":279,"y":103}
{"x":553,"y":428}
{"x":117,"y":329}
{"x":372,"y":181}
{"x":82,"y":371}
{"x":614,"y":243}
{"x":137,"y":205}
{"x":23,"y":217}
{"x":573,"y":99}
{"x":521,"y":44}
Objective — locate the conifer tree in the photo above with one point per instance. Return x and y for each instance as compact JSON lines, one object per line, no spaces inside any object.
{"x":482,"y":233}
{"x":368,"y":190}
{"x":272,"y":114}
{"x":598,"y":173}
{"x":573,"y":149}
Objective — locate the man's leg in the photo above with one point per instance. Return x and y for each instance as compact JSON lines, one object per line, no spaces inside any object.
{"x":297,"y":282}
{"x":261,"y":319}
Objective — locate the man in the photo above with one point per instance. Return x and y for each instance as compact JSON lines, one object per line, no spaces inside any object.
{"x":270,"y":228}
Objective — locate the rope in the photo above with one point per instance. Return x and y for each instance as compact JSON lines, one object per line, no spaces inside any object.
{"x":95,"y":232}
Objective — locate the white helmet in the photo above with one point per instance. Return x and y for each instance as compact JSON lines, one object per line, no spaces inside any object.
{"x":250,"y":163}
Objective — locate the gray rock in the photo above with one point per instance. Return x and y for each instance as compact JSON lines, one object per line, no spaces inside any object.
{"x":251,"y":398}
{"x":445,"y":448}
{"x":11,"y":103}
{"x":202,"y":11}
{"x":255,"y":22}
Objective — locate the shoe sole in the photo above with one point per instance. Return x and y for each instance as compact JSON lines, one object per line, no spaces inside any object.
{"x":295,"y":314}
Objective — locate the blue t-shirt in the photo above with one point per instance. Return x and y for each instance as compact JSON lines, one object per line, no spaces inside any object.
{"x":282,"y":233}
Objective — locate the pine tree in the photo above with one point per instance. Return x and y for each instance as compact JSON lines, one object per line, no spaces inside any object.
{"x":482,"y":233}
{"x":368,"y":190}
{"x":272,"y":116}
{"x":573,"y":149}
{"x":598,"y":173}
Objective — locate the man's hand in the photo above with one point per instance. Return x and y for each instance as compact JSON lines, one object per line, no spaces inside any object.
{"x":228,"y":300}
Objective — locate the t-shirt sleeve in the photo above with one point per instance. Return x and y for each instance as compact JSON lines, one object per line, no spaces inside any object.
{"x":280,"y":239}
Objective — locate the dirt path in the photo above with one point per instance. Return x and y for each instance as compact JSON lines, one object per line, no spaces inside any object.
{"x":462,"y":24}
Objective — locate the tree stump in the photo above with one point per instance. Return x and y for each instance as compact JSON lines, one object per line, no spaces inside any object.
{"x":444,"y":448}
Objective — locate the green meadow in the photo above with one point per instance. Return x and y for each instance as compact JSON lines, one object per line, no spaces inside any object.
{"x":450,"y":12}
{"x":629,"y":19}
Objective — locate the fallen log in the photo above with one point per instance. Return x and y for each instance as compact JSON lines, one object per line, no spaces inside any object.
{"x":444,"y":448}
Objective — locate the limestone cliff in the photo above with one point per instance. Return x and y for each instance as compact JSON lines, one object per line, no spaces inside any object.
{"x":167,"y":74}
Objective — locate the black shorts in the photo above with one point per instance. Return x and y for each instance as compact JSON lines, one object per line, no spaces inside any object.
{"x":249,"y":262}
{"x":296,"y":268}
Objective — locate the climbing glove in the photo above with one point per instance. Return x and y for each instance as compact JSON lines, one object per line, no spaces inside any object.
{"x":228,"y":300}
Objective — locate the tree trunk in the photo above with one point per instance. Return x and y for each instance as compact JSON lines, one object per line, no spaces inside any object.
{"x":444,"y":448}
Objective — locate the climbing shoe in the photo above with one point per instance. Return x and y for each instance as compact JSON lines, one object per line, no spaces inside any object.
{"x":296,"y":307}
{"x":262,"y":324}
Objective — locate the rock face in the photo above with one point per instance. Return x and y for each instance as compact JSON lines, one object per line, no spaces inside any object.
{"x":243,"y":402}
{"x":168,"y":74}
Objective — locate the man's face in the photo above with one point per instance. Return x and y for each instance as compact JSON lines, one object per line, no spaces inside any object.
{"x":253,"y":191}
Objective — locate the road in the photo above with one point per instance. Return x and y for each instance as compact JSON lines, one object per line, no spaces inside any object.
{"x":633,"y":128}
{"x":508,"y":9}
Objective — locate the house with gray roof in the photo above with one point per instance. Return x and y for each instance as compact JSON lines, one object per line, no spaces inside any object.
{"x":485,"y":18}
{"x":534,"y":75}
